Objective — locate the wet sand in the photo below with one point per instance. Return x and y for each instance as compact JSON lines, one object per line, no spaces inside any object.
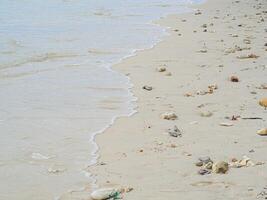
{"x":205,"y":48}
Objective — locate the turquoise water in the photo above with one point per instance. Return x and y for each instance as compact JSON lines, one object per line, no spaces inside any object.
{"x":57,"y":89}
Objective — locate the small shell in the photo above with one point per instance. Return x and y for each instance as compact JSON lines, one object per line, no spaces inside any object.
{"x":104,"y":193}
{"x":262,"y":131}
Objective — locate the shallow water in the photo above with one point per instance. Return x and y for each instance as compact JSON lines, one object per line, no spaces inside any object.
{"x":57,"y":89}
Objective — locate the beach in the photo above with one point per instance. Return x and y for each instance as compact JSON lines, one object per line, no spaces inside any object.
{"x":206,"y":78}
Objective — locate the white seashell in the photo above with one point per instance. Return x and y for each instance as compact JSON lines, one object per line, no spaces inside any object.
{"x":262,"y":131}
{"x":104,"y":193}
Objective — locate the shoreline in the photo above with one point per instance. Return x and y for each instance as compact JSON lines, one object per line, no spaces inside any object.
{"x":136,"y":151}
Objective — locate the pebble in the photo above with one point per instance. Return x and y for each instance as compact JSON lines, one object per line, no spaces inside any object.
{"x":205,"y":159}
{"x":204,"y":171}
{"x":263,"y":102}
{"x":206,"y":114}
{"x":234,"y":79}
{"x":168,"y":74}
{"x":148,"y":88}
{"x":161,"y":69}
{"x":175,"y":132}
{"x":220,"y":167}
{"x":226,"y":124}
{"x":208,"y":165}
{"x":169,"y":116}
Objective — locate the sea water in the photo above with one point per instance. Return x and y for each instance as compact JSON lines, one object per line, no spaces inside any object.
{"x":57,"y":88}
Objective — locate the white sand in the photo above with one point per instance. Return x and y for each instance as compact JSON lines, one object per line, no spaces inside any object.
{"x":138,"y":152}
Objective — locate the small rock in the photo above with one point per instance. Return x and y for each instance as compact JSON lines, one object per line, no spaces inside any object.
{"x":203,"y":50}
{"x":262,"y":132}
{"x":161,"y":69}
{"x":148,"y":88}
{"x":175,"y":132}
{"x":208,"y":165}
{"x":204,"y":26}
{"x":263,"y":102}
{"x":54,"y":170}
{"x":206,"y":114}
{"x":205,"y":159}
{"x":226,"y":124}
{"x":220,"y":167}
{"x":169,"y":116}
{"x":199,"y":164}
{"x":234,"y":79}
{"x":247,"y":56}
{"x":198,"y":12}
{"x":168,"y":74}
{"x":247,"y":41}
{"x":204,"y":171}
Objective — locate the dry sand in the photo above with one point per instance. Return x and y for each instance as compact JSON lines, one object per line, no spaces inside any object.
{"x":137,"y":152}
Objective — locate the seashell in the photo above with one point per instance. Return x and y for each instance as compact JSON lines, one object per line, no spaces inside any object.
{"x":262,"y":132}
{"x":169,"y":116}
{"x":105,"y":193}
{"x":220,"y":167}
{"x":263,"y":102}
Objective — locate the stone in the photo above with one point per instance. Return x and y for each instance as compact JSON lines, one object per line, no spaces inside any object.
{"x":220,"y":167}
{"x":169,"y":116}
{"x":175,"y":132}
{"x":168,"y":74}
{"x":247,"y":56}
{"x":208,"y":165}
{"x":199,"y":164}
{"x":234,"y":79}
{"x":205,"y":159}
{"x":206,"y":114}
{"x":262,"y":132}
{"x":204,"y":171}
{"x":161,"y":69}
{"x":148,"y":88}
{"x":226,"y":124}
{"x":263,"y":102}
